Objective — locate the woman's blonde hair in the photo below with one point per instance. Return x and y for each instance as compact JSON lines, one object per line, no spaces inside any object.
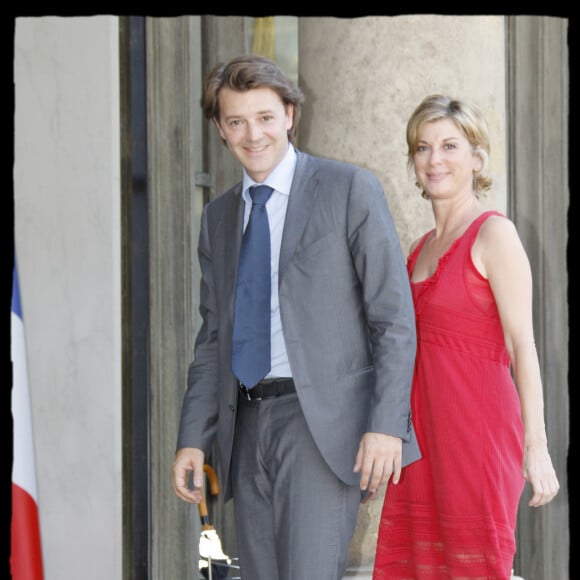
{"x":467,"y":117}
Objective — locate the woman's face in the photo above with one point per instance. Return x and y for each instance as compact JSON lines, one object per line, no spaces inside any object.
{"x":444,"y":160}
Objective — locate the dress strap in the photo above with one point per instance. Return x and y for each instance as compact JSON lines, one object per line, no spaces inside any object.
{"x":472,"y":231}
{"x":412,"y":257}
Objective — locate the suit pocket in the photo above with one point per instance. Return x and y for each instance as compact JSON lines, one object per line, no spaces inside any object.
{"x":312,"y":249}
{"x":360,"y":371}
{"x":326,"y":256}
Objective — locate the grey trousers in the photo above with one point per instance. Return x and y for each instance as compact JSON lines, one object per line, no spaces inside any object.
{"x":294,"y":518}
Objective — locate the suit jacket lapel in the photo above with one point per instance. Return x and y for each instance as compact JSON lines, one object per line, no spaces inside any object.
{"x":233,"y":220}
{"x":302,"y":197}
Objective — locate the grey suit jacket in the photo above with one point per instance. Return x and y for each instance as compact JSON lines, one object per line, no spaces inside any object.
{"x":346,"y":309}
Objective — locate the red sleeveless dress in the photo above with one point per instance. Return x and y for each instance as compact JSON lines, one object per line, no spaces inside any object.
{"x":453,"y":513}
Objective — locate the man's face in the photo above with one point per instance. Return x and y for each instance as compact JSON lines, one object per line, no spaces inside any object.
{"x":254,"y":125}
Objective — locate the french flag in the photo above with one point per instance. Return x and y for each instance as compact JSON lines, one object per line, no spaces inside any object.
{"x":26,"y":552}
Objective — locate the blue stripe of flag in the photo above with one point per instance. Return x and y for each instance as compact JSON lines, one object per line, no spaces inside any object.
{"x":16,"y":294}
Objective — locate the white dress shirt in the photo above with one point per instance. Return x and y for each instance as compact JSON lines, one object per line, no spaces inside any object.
{"x":281,"y":181}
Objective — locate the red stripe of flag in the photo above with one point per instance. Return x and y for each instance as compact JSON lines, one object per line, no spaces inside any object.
{"x":26,"y":552}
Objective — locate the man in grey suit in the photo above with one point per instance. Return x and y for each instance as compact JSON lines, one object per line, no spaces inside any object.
{"x":330,"y":421}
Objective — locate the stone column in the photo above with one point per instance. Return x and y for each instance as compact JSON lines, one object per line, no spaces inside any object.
{"x":362,"y":78}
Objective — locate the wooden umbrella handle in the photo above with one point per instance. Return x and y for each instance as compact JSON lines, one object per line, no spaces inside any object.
{"x":204,"y":516}
{"x":214,"y":486}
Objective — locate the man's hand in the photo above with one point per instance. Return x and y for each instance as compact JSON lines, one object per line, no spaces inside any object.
{"x":378,"y":458}
{"x":188,"y":460}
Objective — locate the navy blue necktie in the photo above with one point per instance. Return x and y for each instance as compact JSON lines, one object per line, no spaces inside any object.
{"x":251,"y":335}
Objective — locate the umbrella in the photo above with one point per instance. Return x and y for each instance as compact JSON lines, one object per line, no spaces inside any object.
{"x":213,"y":563}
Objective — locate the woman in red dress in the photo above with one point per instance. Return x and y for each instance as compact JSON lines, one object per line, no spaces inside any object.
{"x":481,"y":429}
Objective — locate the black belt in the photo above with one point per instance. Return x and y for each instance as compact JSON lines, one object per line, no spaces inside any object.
{"x":268,"y":389}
